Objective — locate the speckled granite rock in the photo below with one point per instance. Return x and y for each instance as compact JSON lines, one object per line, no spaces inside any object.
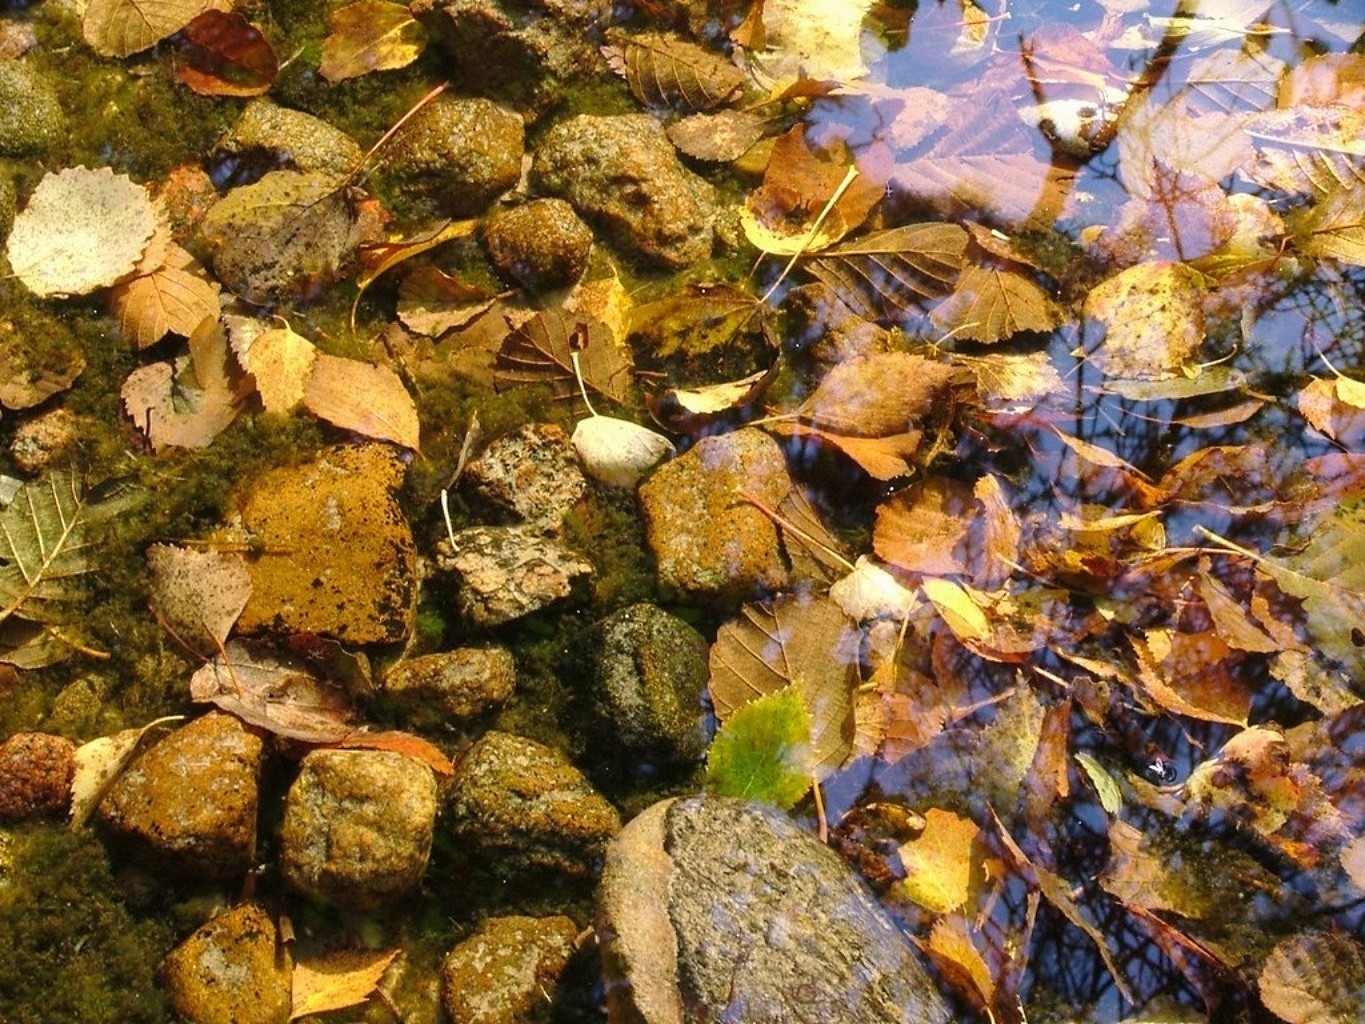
{"x":524,"y":805}
{"x":358,"y":826}
{"x":233,"y":970}
{"x":505,"y":973}
{"x":339,"y":556}
{"x":541,"y":244}
{"x":450,"y":688}
{"x":713,"y":909}
{"x":711,"y":546}
{"x":147,"y":813}
{"x":529,"y":476}
{"x":508,"y":572}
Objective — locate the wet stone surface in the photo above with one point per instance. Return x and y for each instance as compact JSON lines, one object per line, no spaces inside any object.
{"x":147,"y":813}
{"x":35,"y":776}
{"x":31,"y":119}
{"x":541,"y":244}
{"x":233,"y":970}
{"x":358,"y":826}
{"x":508,"y":572}
{"x":452,"y":688}
{"x":529,"y":476}
{"x":718,"y":909}
{"x":506,"y":972}
{"x":268,"y":137}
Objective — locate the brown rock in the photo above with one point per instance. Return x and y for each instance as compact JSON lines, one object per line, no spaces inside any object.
{"x":712,"y":546}
{"x":450,"y":688}
{"x":541,"y":244}
{"x":35,"y":776}
{"x":233,"y":970}
{"x":339,"y":559}
{"x":506,"y":972}
{"x":188,"y":804}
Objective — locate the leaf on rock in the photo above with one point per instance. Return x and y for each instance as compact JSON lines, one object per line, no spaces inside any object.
{"x":336,"y":980}
{"x":938,"y":863}
{"x":398,"y":742}
{"x":1153,"y":320}
{"x":370,"y":35}
{"x":120,"y":28}
{"x":223,"y":54}
{"x":888,"y":275}
{"x":665,"y":70}
{"x":80,"y":231}
{"x":541,"y":351}
{"x":805,"y":642}
{"x":1315,"y":978}
{"x":363,"y":397}
{"x":100,"y":762}
{"x":281,"y":363}
{"x":763,"y":751}
{"x":198,"y":594}
{"x":718,"y":137}
{"x":186,"y":403}
{"x":173,"y":299}
{"x":989,"y":304}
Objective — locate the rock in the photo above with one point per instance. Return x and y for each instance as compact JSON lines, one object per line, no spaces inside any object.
{"x":188,"y":803}
{"x":508,"y":572}
{"x":233,"y":970}
{"x":525,"y":52}
{"x":505,"y":973}
{"x":711,"y":546}
{"x":39,"y":441}
{"x":35,"y":776}
{"x":358,"y":826}
{"x":31,"y":119}
{"x":339,"y":559}
{"x":453,"y":158}
{"x":523,"y":803}
{"x":270,"y":138}
{"x":452,"y":688}
{"x":650,"y":671}
{"x":712,"y":908}
{"x":541,"y":244}
{"x":529,"y":476}
{"x":622,"y":173}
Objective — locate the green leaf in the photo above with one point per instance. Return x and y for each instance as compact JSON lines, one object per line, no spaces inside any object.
{"x":763,"y":752}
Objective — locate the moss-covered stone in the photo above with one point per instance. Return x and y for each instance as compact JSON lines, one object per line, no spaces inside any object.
{"x":541,"y":244}
{"x":31,"y":119}
{"x":233,"y":970}
{"x":507,"y":971}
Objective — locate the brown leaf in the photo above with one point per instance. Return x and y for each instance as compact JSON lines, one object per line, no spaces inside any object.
{"x":878,"y":395}
{"x":173,"y":298}
{"x":1230,"y":621}
{"x":401,"y":743}
{"x":1303,"y":150}
{"x":1315,"y":978}
{"x":697,"y":320}
{"x":1153,"y":320}
{"x":923,"y":528}
{"x":953,"y":950}
{"x":541,"y":351}
{"x":362,"y":397}
{"x":198,"y":594}
{"x":887,"y":274}
{"x":336,"y":980}
{"x":691,"y":410}
{"x":1335,"y":227}
{"x":807,"y":642}
{"x":120,"y":28}
{"x":223,"y":54}
{"x":432,"y":302}
{"x":721,"y":137}
{"x":185,"y":404}
{"x":370,"y":35}
{"x":990,"y":304}
{"x":665,"y":70}
{"x":882,"y":458}
{"x":1194,"y":674}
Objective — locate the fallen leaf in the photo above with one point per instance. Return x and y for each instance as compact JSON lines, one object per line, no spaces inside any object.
{"x":541,"y":351}
{"x":280,"y":361}
{"x":432,"y":302}
{"x":1335,"y":227}
{"x":1315,"y":978}
{"x":35,"y":364}
{"x":404,"y":743}
{"x":370,"y":35}
{"x":951,"y":947}
{"x":336,"y":980}
{"x":882,"y":458}
{"x":763,"y":751}
{"x":187,"y":403}
{"x":888,"y":274}
{"x":198,"y":594}
{"x":691,"y":410}
{"x":1153,"y":320}
{"x":718,"y":137}
{"x":873,"y":592}
{"x":959,"y":610}
{"x":878,"y":395}
{"x":1194,"y":674}
{"x":362,"y":397}
{"x":923,"y":528}
{"x":173,"y":298}
{"x":80,"y":231}
{"x":990,"y":304}
{"x":120,"y":28}
{"x":697,"y":320}
{"x":938,"y":864}
{"x":223,"y":54}
{"x":813,"y":39}
{"x":665,"y":70}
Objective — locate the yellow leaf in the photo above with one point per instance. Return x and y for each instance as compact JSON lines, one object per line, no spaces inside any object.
{"x":1352,"y":392}
{"x":951,"y":947}
{"x":98,"y":764}
{"x":938,"y":864}
{"x":370,"y":35}
{"x":281,"y":363}
{"x":954,"y":602}
{"x":363,"y":397}
{"x":1111,"y":798}
{"x":344,"y":978}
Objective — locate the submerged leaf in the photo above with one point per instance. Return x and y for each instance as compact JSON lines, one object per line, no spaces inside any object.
{"x":1315,"y":978}
{"x":120,"y":28}
{"x":199,"y":594}
{"x":666,"y":70}
{"x":336,"y":980}
{"x":885,"y":275}
{"x":542,"y":350}
{"x":763,"y":751}
{"x":363,"y":397}
{"x":223,"y":54}
{"x":185,"y":404}
{"x":173,"y":298}
{"x":370,"y":35}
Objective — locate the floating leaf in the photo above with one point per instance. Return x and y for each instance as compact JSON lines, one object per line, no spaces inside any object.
{"x":198,"y":594}
{"x":362,"y":397}
{"x":541,"y":351}
{"x":696,"y":320}
{"x":938,"y":863}
{"x":885,"y":275}
{"x":882,"y":458}
{"x":1111,"y":797}
{"x":665,"y":70}
{"x":796,"y":641}
{"x":990,"y":304}
{"x":80,"y":231}
{"x":1153,"y":320}
{"x":1335,"y":227}
{"x":120,"y":28}
{"x":923,"y":528}
{"x":1315,"y":978}
{"x":174,"y":298}
{"x":223,"y":54}
{"x":810,"y":39}
{"x":336,"y":980}
{"x":690,"y":410}
{"x":959,"y":610}
{"x":878,"y":395}
{"x":370,"y":35}
{"x":763,"y":751}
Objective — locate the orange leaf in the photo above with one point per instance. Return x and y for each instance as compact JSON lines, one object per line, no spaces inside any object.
{"x":346,"y":977}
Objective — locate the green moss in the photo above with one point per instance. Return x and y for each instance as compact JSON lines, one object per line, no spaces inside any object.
{"x":74,"y":953}
{"x":607,"y":529}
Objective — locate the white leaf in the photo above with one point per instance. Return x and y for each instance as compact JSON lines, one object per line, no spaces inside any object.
{"x":618,"y":452}
{"x":870,"y":592}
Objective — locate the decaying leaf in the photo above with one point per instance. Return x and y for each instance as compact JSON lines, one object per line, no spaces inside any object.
{"x":1315,"y":978}
{"x":763,"y":751}
{"x":186,"y":403}
{"x":718,"y":137}
{"x":696,"y":320}
{"x":364,"y":397}
{"x":173,"y":298}
{"x":80,"y":231}
{"x":1152,"y":317}
{"x":803,"y":642}
{"x":198,"y":594}
{"x":542,"y":349}
{"x":690,"y":410}
{"x":120,"y":28}
{"x":666,"y":70}
{"x":815,"y":39}
{"x":432,"y":302}
{"x":938,"y":864}
{"x":887,"y":274}
{"x":223,"y":54}
{"x":336,"y":980}
{"x":370,"y":35}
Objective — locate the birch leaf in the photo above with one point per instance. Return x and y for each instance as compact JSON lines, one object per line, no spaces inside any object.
{"x":763,"y":751}
{"x":336,"y":980}
{"x":990,"y":304}
{"x":362,"y":397}
{"x":888,"y":274}
{"x":666,"y":70}
{"x":199,"y":594}
{"x":99,"y":763}
{"x":1315,"y":978}
{"x":370,"y":35}
{"x":120,"y":28}
{"x":281,"y":362}
{"x":173,"y":298}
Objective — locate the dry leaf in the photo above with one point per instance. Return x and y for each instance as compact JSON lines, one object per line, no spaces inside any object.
{"x":280,"y":361}
{"x":432,"y":302}
{"x":334,"y":981}
{"x":938,"y":863}
{"x":878,"y":395}
{"x":185,"y":404}
{"x":959,"y":609}
{"x":120,"y":28}
{"x":666,"y":70}
{"x":370,"y":35}
{"x":723,"y":136}
{"x":1315,"y":978}
{"x":223,"y":54}
{"x":924,"y":527}
{"x":362,"y":397}
{"x":80,"y":231}
{"x":882,"y":458}
{"x":691,"y":410}
{"x":872,"y":592}
{"x":198,"y":594}
{"x":173,"y":298}
{"x":951,"y":947}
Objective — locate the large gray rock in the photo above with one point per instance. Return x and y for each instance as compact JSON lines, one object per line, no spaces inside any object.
{"x":506,"y":972}
{"x":622,"y":173}
{"x":650,"y":671}
{"x":358,"y":826}
{"x":268,"y":137}
{"x":31,"y":119}
{"x":233,"y":970}
{"x":523,"y":804}
{"x":714,"y":909}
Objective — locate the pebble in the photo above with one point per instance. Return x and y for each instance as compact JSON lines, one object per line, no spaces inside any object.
{"x":451,"y":688}
{"x":36,"y":769}
{"x":268,"y":137}
{"x":541,"y":244}
{"x":529,"y":476}
{"x":506,"y":972}
{"x":508,"y":572}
